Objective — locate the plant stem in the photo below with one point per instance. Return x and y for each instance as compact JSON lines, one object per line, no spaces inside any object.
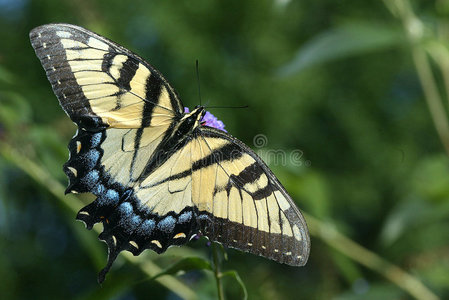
{"x":432,"y":95}
{"x":217,"y":272}
{"x":440,"y":54}
{"x":414,"y":30}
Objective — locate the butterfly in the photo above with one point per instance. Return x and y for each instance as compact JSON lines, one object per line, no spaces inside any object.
{"x":161,"y":175}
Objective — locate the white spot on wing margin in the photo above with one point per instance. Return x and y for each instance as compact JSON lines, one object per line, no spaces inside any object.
{"x":96,"y":43}
{"x":63,"y":34}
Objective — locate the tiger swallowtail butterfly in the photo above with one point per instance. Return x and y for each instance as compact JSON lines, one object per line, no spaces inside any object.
{"x":160,"y":175}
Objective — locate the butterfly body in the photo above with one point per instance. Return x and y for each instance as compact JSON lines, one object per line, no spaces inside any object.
{"x":160,"y":175}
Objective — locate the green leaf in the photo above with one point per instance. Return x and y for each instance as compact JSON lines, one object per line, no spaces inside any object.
{"x":236,"y":276}
{"x":185,"y":264}
{"x":347,"y":40}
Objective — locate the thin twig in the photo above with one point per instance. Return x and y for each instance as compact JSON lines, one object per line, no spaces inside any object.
{"x":217,"y":272}
{"x":414,"y":30}
{"x":432,"y":96}
{"x":440,"y":55}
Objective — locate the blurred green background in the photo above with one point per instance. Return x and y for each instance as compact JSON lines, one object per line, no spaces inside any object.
{"x":341,"y":88}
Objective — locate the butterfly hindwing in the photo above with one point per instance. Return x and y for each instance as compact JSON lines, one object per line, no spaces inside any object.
{"x":137,"y":211}
{"x":246,"y":206}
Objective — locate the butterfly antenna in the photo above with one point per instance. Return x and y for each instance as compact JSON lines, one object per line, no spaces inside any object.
{"x":198,"y":80}
{"x":243,"y":106}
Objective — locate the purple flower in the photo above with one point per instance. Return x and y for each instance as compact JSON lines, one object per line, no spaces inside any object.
{"x":210,"y":120}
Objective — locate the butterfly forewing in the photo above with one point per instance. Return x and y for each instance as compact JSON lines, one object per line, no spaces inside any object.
{"x":101,"y":84}
{"x":159,"y":176}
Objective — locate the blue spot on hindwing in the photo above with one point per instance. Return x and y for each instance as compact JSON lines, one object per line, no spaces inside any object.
{"x":135,"y":221}
{"x":126,"y":208}
{"x":147,"y":227}
{"x":185,"y":217}
{"x":96,"y":139}
{"x":90,"y":179}
{"x":111,"y":197}
{"x":99,"y":190}
{"x":90,"y":159}
{"x":203,"y":217}
{"x":167,"y":224}
{"x":129,"y":220}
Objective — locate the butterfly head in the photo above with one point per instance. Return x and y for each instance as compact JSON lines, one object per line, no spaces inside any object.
{"x":189,"y":122}
{"x":197,"y":115}
{"x":207,"y":119}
